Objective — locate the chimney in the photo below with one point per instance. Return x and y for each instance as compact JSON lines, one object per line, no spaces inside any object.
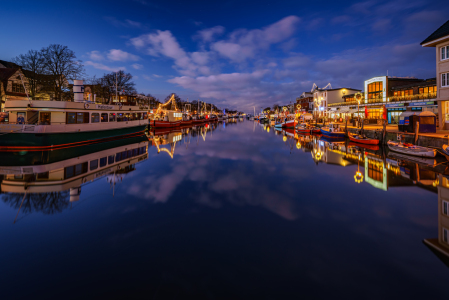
{"x":78,"y":90}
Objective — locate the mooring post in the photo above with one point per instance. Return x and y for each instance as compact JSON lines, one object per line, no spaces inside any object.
{"x":416,"y":132}
{"x":384,"y":130}
{"x":346,"y":127}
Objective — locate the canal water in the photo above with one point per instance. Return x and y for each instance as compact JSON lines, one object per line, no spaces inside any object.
{"x":233,"y":210}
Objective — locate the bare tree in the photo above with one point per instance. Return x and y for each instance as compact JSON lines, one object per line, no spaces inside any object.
{"x":60,"y":62}
{"x":124,"y":83}
{"x":32,"y":61}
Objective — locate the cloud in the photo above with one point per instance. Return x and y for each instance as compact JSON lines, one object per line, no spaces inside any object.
{"x":381,"y":25}
{"x":103,"y":67}
{"x":315,"y":24}
{"x":137,"y":66}
{"x":147,"y":77}
{"x":208,"y":35}
{"x":119,"y":55}
{"x":95,"y":55}
{"x":244,"y":44}
{"x":126,"y":23}
{"x":157,"y":76}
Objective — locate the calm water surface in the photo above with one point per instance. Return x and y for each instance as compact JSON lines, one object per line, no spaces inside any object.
{"x":237,"y":211}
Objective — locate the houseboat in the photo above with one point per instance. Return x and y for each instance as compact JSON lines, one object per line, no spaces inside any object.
{"x":165,"y":118}
{"x":39,"y":125}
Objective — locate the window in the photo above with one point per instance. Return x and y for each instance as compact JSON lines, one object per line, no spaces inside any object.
{"x":118,"y":157}
{"x":71,"y":118}
{"x":112,"y":117}
{"x":45,"y":118}
{"x":17,"y":88}
{"x":446,"y":208}
{"x":120,"y":117}
{"x":95,"y":118}
{"x":94,"y":164}
{"x":104,"y":117}
{"x":445,"y":235}
{"x":75,"y":170}
{"x":103,"y":161}
{"x":21,"y":118}
{"x":444,"y":79}
{"x":375,"y":90}
{"x":111,"y":159}
{"x":444,"y":53}
{"x":42,"y":175}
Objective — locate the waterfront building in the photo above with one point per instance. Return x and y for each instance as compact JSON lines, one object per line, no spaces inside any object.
{"x":306,"y":101}
{"x":324,"y":99}
{"x":393,"y":94}
{"x":11,"y":86}
{"x":440,"y":40}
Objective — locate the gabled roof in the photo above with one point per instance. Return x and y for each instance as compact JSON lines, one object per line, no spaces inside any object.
{"x":8,"y":64}
{"x":437,"y":34}
{"x":5,"y":73}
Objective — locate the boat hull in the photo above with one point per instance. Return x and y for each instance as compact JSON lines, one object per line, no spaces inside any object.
{"x":332,"y":134}
{"x":419,"y":151}
{"x":164,"y":124}
{"x":51,"y":141}
{"x":363,"y":141}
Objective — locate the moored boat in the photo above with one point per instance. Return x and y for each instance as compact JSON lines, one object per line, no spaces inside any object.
{"x":357,"y":138}
{"x":411,"y":149}
{"x":332,"y":130}
{"x":38,"y":125}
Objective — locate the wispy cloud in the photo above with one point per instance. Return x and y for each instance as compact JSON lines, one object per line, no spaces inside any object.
{"x":119,"y":55}
{"x":125,"y":23}
{"x":137,"y":66}
{"x":103,"y":67}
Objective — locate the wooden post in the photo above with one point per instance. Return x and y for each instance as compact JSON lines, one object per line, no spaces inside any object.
{"x":416,"y":132}
{"x":362,"y":130}
{"x":346,"y":127}
{"x":384,"y":130}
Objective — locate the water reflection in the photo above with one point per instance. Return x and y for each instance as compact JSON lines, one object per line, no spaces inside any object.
{"x":223,"y":202}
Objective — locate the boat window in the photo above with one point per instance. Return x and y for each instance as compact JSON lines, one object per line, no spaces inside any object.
{"x":43,"y":175}
{"x":21,"y":118}
{"x":45,"y":118}
{"x":95,"y":118}
{"x":139,"y":116}
{"x":135,"y":152}
{"x":112,"y":117}
{"x":104,"y":117}
{"x":120,"y":117}
{"x":71,"y":118}
{"x":75,"y":170}
{"x":124,"y":155}
{"x":111,"y":159}
{"x":82,"y":117}
{"x":103,"y":161}
{"x":118,"y":157}
{"x":130,"y":153}
{"x":93,"y":164}
{"x":145,"y":116}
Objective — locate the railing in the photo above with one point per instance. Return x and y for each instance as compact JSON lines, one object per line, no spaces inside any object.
{"x":423,"y":96}
{"x":343,"y":103}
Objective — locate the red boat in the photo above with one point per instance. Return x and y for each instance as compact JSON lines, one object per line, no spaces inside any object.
{"x":164,"y":124}
{"x":365,"y":146}
{"x":356,"y":138}
{"x":186,"y":122}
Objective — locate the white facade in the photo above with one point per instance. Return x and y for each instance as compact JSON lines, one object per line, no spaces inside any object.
{"x":322,"y":98}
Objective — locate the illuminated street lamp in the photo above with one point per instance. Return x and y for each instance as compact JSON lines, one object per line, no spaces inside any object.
{"x":358,"y":97}
{"x":358,"y":177}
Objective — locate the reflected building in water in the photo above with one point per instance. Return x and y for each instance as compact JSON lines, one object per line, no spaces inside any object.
{"x":440,"y":245}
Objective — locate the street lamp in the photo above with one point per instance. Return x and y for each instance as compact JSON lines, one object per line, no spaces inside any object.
{"x":358,"y":97}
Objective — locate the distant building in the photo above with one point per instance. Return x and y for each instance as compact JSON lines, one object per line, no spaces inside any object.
{"x":305,"y":101}
{"x":325,"y":98}
{"x":440,"y":40}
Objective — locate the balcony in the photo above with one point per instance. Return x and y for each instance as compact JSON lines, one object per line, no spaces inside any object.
{"x":424,"y":96}
{"x":343,"y":103}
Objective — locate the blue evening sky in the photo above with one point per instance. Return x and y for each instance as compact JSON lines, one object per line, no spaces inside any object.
{"x":236,"y":54}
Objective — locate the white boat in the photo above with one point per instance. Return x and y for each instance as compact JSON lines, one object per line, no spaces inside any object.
{"x":410,"y":149}
{"x":41,"y":125}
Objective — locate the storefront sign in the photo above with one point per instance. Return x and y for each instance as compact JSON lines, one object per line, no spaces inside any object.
{"x":421,"y":103}
{"x":394,"y":105}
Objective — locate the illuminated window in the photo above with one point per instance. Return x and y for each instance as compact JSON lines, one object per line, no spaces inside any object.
{"x":95,"y":118}
{"x":111,"y":117}
{"x":17,"y":88}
